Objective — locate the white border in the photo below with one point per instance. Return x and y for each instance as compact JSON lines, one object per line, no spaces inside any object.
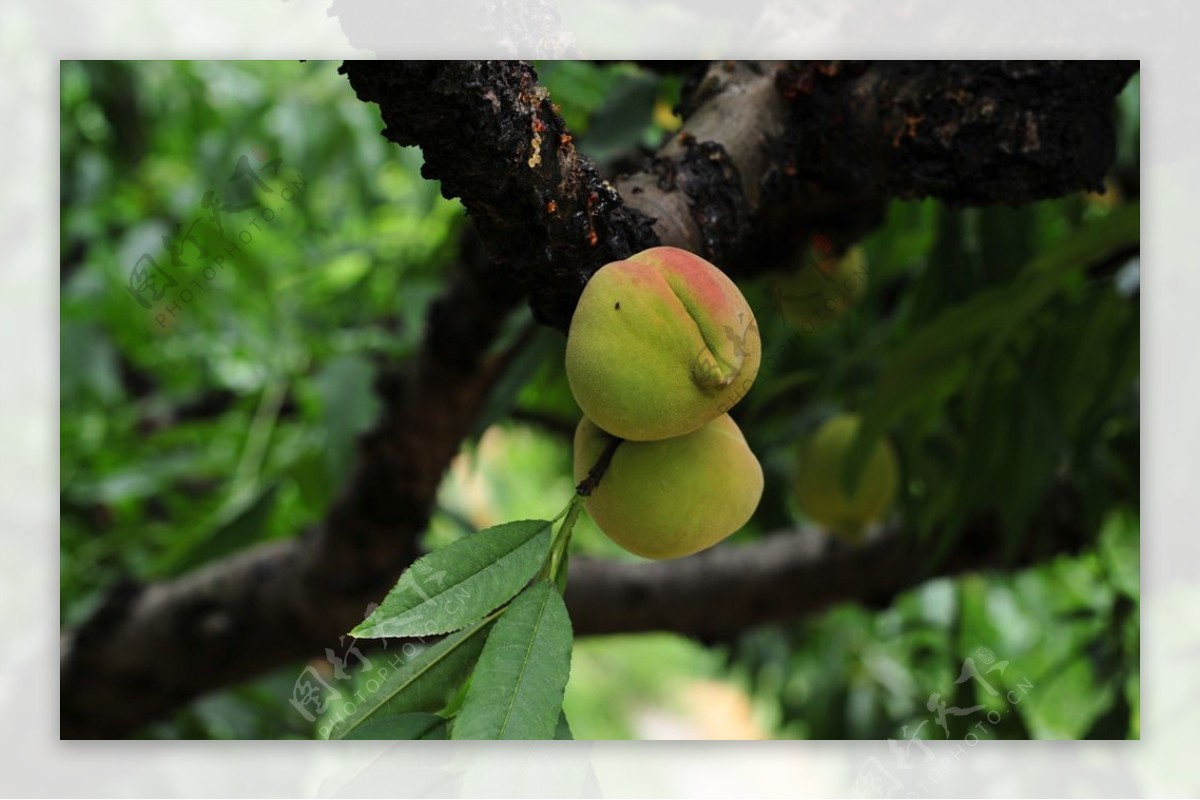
{"x":35,"y":35}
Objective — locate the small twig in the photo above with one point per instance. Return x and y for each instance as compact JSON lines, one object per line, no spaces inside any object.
{"x":589,"y":484}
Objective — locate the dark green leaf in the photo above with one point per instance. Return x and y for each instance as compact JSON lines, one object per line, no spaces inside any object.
{"x":563,"y":730}
{"x":1067,"y":702}
{"x":517,"y":689}
{"x":89,"y":370}
{"x":621,"y":121}
{"x":544,"y":345}
{"x":1007,"y":237}
{"x":245,"y":524}
{"x":935,"y":352}
{"x":401,"y":726}
{"x":460,"y":583}
{"x":424,"y":683}
{"x":1118,"y":547}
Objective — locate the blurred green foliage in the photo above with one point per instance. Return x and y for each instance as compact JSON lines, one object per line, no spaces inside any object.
{"x":193,"y":428}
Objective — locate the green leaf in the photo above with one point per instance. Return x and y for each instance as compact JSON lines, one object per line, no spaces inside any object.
{"x":1119,"y":550}
{"x":237,"y":527}
{"x":425,"y":683}
{"x":545,"y":344}
{"x":1066,"y":702}
{"x":621,"y":120}
{"x":517,"y":689}
{"x":401,"y":726}
{"x":460,"y":583}
{"x":936,"y":354}
{"x":563,"y":730}
{"x":563,"y":568}
{"x":90,"y":371}
{"x":346,"y":387}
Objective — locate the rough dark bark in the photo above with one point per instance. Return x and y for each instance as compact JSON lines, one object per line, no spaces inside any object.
{"x":756,"y":163}
{"x":768,"y":152}
{"x":967,"y":132}
{"x":490,"y":134}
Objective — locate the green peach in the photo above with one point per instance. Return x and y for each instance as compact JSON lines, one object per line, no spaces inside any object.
{"x":660,"y":344}
{"x":673,"y":497}
{"x":820,"y":489}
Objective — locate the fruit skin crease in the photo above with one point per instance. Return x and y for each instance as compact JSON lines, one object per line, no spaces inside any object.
{"x":673,"y":497}
{"x":660,"y":344}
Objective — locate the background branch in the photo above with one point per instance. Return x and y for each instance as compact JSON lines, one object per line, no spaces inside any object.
{"x":719,"y":592}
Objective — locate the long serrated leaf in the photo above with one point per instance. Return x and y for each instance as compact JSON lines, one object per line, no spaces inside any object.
{"x":424,"y":683}
{"x":517,"y":689}
{"x":529,"y":359}
{"x":401,"y":726}
{"x":939,"y":349}
{"x":459,"y":584}
{"x":237,"y":527}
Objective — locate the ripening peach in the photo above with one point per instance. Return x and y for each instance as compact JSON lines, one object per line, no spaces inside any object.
{"x":672,"y":497}
{"x":660,"y":344}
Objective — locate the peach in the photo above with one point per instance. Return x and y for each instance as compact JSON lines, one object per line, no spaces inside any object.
{"x":660,"y":344}
{"x":819,"y":480}
{"x":672,"y":497}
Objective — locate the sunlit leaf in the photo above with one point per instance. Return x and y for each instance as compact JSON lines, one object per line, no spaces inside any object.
{"x":460,"y":583}
{"x":517,"y":689}
{"x":425,"y":682}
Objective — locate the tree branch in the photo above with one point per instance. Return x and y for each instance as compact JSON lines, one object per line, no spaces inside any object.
{"x":772,"y":152}
{"x":767,"y":151}
{"x":719,"y":592}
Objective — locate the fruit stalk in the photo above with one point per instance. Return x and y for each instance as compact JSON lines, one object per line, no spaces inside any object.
{"x":589,"y":484}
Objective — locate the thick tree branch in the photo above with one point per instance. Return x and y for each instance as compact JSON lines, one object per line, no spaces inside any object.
{"x":772,"y":152}
{"x":719,"y":592}
{"x":490,"y":134}
{"x":967,"y":132}
{"x":768,"y":151}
